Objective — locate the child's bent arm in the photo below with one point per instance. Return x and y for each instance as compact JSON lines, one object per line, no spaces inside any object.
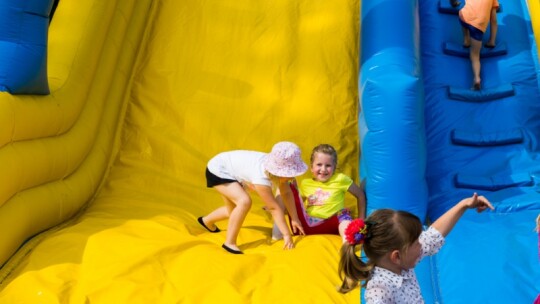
{"x":358,"y":192}
{"x":287,"y":197}
{"x":446,"y":222}
{"x":278,"y":215}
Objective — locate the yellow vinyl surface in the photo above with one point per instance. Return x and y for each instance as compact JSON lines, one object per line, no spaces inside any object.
{"x":534,"y":12}
{"x":104,"y":179}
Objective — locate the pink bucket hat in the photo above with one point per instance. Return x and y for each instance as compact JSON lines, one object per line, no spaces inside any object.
{"x":285,"y":160}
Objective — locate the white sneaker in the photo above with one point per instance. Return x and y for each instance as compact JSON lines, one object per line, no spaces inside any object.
{"x":276,"y":234}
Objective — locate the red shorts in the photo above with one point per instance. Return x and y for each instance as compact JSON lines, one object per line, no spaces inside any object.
{"x":328,"y":226}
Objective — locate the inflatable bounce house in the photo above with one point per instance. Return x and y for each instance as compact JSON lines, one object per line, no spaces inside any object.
{"x":110,"y":111}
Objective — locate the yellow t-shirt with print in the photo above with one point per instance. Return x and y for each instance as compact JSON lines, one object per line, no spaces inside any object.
{"x":325,"y":199}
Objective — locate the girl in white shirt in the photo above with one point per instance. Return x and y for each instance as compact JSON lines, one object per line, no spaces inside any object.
{"x":233,"y":173}
{"x":394,"y":243}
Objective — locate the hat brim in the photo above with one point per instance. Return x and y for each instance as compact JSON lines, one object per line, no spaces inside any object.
{"x":289,"y":172}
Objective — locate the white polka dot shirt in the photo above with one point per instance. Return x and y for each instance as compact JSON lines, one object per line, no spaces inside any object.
{"x":386,"y":287}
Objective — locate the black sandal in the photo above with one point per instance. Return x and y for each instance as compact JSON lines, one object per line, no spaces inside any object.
{"x":200,"y":220}
{"x":229,"y":249}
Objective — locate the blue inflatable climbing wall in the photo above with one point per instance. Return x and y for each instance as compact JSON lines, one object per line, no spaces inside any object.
{"x":428,"y":141}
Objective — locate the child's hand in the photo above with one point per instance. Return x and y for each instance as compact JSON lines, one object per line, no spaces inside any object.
{"x":479,"y":202}
{"x":297,"y":227}
{"x":446,"y":222}
{"x":288,"y":242}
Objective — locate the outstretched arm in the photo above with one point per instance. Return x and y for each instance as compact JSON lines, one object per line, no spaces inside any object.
{"x":447,"y":221}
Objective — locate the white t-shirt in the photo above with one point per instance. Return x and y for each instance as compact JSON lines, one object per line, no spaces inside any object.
{"x":386,"y":287}
{"x":243,"y":166}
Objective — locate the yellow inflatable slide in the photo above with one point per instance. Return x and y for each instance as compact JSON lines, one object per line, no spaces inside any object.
{"x":102,"y":180}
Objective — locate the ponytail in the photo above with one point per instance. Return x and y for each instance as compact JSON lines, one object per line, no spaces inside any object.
{"x":383,"y":231}
{"x":351,"y":268}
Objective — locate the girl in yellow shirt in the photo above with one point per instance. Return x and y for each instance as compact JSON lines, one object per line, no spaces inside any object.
{"x":323,"y":211}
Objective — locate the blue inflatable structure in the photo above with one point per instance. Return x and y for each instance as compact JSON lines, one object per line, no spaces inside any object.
{"x":23,"y":46}
{"x":428,"y":141}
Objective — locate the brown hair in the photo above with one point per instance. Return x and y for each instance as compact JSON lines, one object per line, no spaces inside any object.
{"x":387,"y":230}
{"x":326,"y":149}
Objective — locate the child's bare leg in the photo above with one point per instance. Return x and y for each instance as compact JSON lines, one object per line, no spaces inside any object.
{"x":466,"y":37}
{"x":493,"y":28}
{"x":217,"y":215}
{"x":238,"y":204}
{"x":342,"y":226}
{"x":476,"y":46}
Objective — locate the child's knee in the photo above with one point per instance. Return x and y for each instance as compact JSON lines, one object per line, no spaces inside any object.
{"x":244,"y":203}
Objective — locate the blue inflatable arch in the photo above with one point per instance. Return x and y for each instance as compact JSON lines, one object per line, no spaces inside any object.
{"x":23,"y":46}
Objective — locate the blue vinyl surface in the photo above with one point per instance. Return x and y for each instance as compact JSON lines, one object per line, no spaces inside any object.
{"x":423,"y":151}
{"x":23,"y":46}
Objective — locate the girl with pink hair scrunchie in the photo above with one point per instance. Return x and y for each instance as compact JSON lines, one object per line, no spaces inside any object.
{"x":394,"y":242}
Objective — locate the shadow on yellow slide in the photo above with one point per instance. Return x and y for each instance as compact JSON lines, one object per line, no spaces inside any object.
{"x":103,"y":180}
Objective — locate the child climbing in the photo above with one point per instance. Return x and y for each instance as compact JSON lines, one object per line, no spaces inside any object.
{"x":394,"y":243}
{"x":233,"y":173}
{"x":474,"y":17}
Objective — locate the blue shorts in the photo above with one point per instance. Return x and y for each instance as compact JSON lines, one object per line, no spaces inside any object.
{"x":475,"y":33}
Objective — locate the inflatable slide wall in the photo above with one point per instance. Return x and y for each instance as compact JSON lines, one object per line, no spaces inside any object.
{"x":103,"y":178}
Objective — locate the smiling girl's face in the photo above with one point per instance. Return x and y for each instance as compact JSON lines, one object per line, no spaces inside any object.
{"x":322,"y":166}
